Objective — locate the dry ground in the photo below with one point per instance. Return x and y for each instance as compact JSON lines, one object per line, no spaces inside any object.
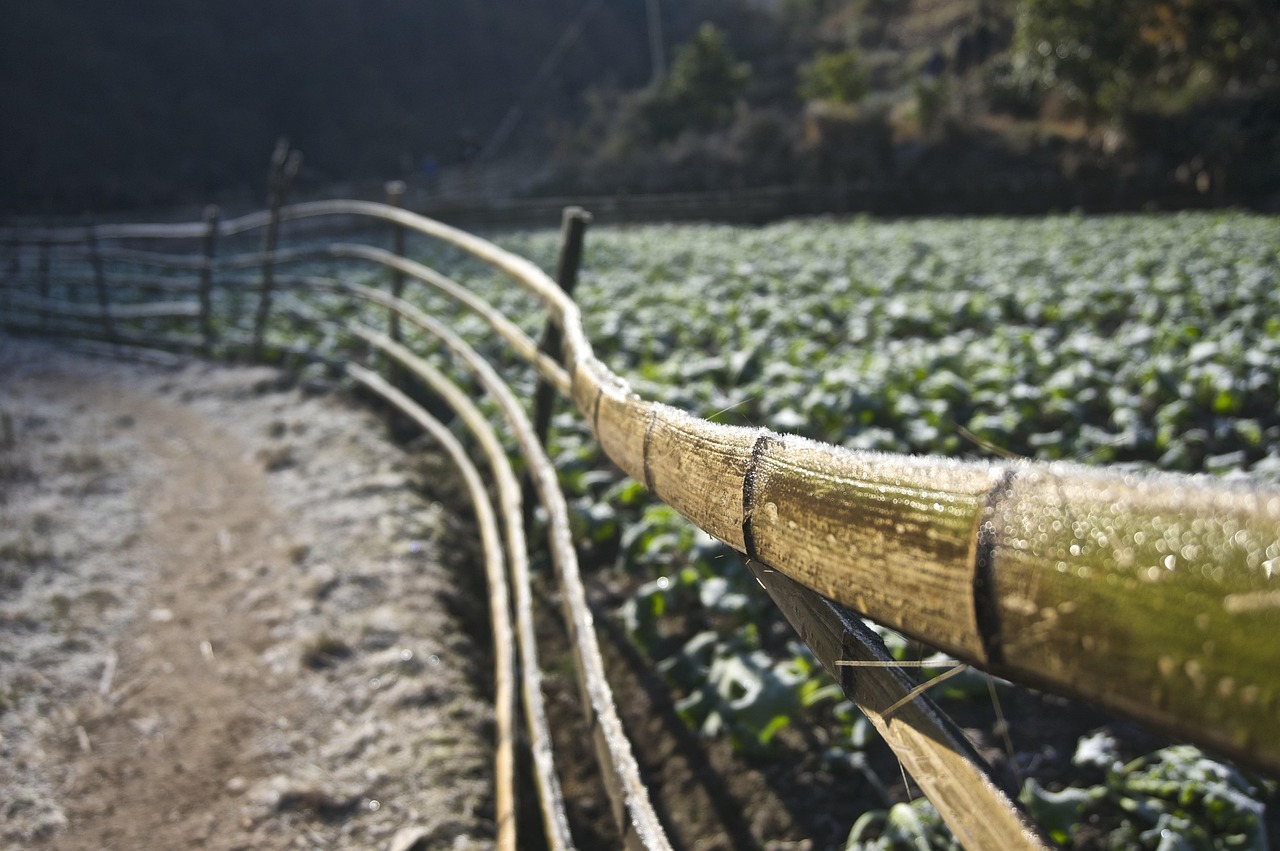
{"x":224,"y":620}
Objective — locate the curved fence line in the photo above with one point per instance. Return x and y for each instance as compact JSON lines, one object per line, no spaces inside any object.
{"x":1147,"y":594}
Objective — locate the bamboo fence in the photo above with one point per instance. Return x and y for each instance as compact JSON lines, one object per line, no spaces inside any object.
{"x":1151,"y":595}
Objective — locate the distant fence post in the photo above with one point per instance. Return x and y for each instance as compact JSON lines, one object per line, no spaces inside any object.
{"x":211,"y":217}
{"x":100,"y":282}
{"x":395,"y":190}
{"x":395,"y":198}
{"x":12,"y":274}
{"x":573,"y":230}
{"x":42,"y":283}
{"x":284,"y":167}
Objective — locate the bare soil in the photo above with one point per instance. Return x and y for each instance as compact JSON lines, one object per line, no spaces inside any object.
{"x":226,"y":620}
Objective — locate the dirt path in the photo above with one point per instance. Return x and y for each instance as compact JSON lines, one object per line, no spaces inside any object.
{"x":223,"y":620}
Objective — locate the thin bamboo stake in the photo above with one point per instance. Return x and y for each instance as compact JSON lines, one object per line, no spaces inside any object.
{"x":395,"y":198}
{"x":499,"y":604}
{"x":395,"y":190}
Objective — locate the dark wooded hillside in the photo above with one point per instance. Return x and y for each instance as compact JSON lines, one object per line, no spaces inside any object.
{"x":151,"y":101}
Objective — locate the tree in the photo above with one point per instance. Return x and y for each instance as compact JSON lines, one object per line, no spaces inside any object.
{"x":836,"y":77}
{"x":1108,"y":55}
{"x":1087,"y":49}
{"x":699,"y":92}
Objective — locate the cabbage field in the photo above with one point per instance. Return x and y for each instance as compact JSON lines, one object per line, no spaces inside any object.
{"x":1151,"y":341}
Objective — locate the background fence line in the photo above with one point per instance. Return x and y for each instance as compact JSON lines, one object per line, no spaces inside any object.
{"x":1045,"y":565}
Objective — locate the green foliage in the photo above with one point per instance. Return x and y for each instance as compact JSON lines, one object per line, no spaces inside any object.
{"x":1108,"y":56}
{"x":1087,"y":49}
{"x":701,"y":88}
{"x":1176,"y":798}
{"x":837,"y":77}
{"x":914,"y":826}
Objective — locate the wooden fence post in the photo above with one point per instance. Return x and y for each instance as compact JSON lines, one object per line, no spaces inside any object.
{"x":13,"y":272}
{"x":211,"y":216}
{"x":395,"y":198}
{"x":573,"y":229}
{"x":100,"y":282}
{"x":42,"y":283}
{"x":284,"y":168}
{"x":395,"y":190}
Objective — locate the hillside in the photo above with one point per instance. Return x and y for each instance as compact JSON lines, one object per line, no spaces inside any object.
{"x":149,"y":103}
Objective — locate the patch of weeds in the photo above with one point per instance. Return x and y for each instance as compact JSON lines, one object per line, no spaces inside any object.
{"x":100,"y":599}
{"x":318,"y":803}
{"x":14,"y":471}
{"x":19,"y":556}
{"x":324,"y":651}
{"x":276,"y":458}
{"x":82,"y":461}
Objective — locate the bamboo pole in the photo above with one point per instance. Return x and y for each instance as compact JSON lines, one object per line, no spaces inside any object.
{"x":632,"y":809}
{"x":395,"y":198}
{"x":395,"y":190}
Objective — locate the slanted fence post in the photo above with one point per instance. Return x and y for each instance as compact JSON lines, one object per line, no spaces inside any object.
{"x":211,"y":217}
{"x":573,"y":230}
{"x":284,"y":168}
{"x":100,"y":282}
